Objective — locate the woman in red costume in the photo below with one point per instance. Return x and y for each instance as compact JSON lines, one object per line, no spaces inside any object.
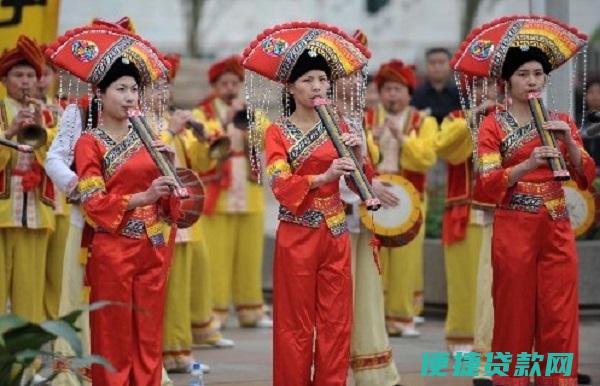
{"x":312,"y":275}
{"x":533,"y":247}
{"x":126,"y":201}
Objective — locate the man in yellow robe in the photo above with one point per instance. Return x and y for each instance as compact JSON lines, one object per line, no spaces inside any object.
{"x":403,"y":135}
{"x":233,"y":220}
{"x":26,"y":193}
{"x":466,"y":233}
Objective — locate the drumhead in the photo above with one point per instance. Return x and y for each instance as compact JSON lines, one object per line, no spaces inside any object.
{"x":581,"y":206}
{"x":396,"y":220}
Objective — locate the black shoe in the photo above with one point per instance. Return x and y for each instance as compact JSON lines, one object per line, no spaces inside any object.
{"x":482,"y":382}
{"x":583,"y":379}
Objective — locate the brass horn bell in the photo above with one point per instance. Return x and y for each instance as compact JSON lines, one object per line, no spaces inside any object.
{"x":33,"y":135}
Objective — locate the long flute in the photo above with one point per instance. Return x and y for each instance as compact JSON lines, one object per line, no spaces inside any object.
{"x":357,"y":175}
{"x":164,"y":165}
{"x":15,"y":145}
{"x":540,"y":116}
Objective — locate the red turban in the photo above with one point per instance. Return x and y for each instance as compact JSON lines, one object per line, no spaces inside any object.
{"x":231,"y":64}
{"x":26,"y":50}
{"x":396,"y":71}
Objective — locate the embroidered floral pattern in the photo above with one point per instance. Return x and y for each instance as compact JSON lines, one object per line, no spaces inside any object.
{"x":329,"y":209}
{"x":116,"y":156}
{"x":134,"y":229}
{"x":489,"y":162}
{"x":526,"y":202}
{"x":557,"y":208}
{"x":144,"y":223}
{"x":333,"y":211}
{"x":516,"y":136}
{"x":155,"y":234}
{"x":371,"y":361}
{"x":500,"y":54}
{"x":531,"y":197}
{"x":291,"y":132}
{"x":311,"y":218}
{"x":111,"y":55}
{"x":303,"y":148}
{"x":278,"y":169}
{"x":90,"y":186}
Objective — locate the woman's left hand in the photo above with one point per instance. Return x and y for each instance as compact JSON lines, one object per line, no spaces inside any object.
{"x":561,"y":129}
{"x":165,"y":149}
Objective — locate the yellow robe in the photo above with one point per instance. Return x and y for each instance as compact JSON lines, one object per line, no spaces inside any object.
{"x":233,"y":232}
{"x":188,"y":308}
{"x":403,"y":266}
{"x":467,"y":260}
{"x":26,"y":221}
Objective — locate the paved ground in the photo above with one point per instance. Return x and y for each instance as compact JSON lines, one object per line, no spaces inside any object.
{"x":249,"y":363}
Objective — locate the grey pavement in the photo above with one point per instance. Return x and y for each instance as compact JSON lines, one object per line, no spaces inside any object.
{"x":249,"y":363}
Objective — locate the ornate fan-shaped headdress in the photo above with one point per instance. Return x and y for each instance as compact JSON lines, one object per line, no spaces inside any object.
{"x":89,"y":52}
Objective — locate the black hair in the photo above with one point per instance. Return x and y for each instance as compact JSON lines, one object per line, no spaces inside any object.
{"x":592,"y":82}
{"x":438,"y":50}
{"x":118,"y":70}
{"x":516,"y":57}
{"x":307,"y":62}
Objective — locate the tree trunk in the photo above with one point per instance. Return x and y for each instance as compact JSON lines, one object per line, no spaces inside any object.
{"x":470,"y":11}
{"x":193,"y":17}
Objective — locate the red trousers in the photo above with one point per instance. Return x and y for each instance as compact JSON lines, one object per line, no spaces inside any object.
{"x":129,"y":336}
{"x":312,"y":306}
{"x":535,"y":291}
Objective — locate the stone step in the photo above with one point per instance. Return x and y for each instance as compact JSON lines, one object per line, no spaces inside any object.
{"x":191,"y":83}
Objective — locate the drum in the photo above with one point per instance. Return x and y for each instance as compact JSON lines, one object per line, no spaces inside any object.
{"x":190,"y":207}
{"x":582,"y":206}
{"x":399,"y":225}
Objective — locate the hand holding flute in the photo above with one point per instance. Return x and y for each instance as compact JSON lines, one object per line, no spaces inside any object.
{"x":354,"y":163}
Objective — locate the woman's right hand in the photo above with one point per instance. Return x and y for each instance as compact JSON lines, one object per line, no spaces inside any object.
{"x":161,"y":187}
{"x":539,"y":156}
{"x":339,"y":167}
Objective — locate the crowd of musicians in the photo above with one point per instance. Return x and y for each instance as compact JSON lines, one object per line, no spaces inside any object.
{"x":87,"y":212}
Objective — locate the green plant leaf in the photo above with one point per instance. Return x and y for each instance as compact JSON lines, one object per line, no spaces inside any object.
{"x":29,"y":336}
{"x":28,"y":354}
{"x":72,"y":317}
{"x":88,"y":360}
{"x":62,"y":329}
{"x":8,"y":322}
{"x":101,"y":304}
